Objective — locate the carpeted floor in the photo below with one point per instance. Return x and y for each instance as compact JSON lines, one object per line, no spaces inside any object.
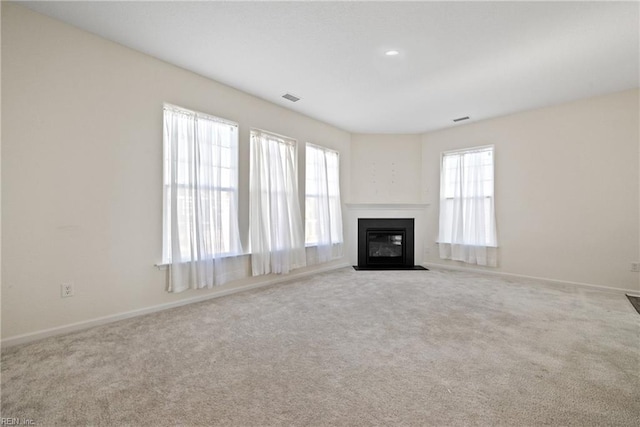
{"x":348,"y":347}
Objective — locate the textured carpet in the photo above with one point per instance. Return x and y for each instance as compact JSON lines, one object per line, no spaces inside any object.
{"x":346,"y":348}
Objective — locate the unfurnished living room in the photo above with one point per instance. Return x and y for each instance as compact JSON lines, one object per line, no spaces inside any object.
{"x":320,"y":213}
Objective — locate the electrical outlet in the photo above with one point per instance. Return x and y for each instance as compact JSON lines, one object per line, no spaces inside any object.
{"x":66,"y":290}
{"x":635,"y":267}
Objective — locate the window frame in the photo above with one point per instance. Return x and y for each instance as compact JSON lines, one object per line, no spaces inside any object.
{"x":317,"y":196}
{"x":462,"y":151}
{"x":281,"y":139}
{"x":232,"y":190}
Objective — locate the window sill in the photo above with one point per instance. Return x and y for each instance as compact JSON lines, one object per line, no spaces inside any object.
{"x":467,"y":244}
{"x":164,"y":265}
{"x":315,"y":245}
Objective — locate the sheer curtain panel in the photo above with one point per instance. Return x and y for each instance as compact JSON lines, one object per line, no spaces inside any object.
{"x":467,"y":216}
{"x":277,"y":240}
{"x":200,"y":198}
{"x":323,"y":212}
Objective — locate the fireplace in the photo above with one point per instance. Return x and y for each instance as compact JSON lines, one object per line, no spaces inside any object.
{"x":386,"y":243}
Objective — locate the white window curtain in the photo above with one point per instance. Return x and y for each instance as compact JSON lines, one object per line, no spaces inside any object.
{"x":467,"y":216}
{"x":277,"y":240}
{"x":323,"y":212}
{"x":200,"y":198}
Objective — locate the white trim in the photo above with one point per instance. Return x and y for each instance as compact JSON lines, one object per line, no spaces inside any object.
{"x":321,"y":148}
{"x":178,"y":109}
{"x":166,"y":264}
{"x":283,"y":138}
{"x":522,"y":276}
{"x":468,"y":150}
{"x":85,"y":324}
{"x":387,"y":206}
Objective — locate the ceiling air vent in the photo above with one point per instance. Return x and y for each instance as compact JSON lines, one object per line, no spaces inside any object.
{"x":290,"y":97}
{"x":461,"y":119}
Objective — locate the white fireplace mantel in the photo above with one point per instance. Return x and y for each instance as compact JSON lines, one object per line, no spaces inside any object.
{"x":418,"y":211}
{"x":386,"y":206}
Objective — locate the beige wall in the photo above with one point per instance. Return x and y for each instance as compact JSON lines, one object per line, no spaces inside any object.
{"x":82,"y":169}
{"x":81,"y":176}
{"x":386,"y":169}
{"x":566,"y":188}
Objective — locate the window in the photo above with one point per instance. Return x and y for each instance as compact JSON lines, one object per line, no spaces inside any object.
{"x":323,"y":213}
{"x":467,"y":217}
{"x":200,"y":187}
{"x":277,"y":239}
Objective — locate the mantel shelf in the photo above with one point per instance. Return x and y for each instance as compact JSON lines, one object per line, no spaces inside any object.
{"x":387,"y":206}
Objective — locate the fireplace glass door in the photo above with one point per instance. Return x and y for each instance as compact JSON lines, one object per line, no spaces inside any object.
{"x":386,"y":246}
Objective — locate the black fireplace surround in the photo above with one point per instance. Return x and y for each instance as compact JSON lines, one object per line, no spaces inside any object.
{"x":386,"y":244}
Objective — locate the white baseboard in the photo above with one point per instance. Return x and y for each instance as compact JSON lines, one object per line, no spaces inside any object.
{"x":85,"y":324}
{"x":522,"y":276}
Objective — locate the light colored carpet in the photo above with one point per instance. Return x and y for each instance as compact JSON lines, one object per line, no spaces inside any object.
{"x":346,"y":348}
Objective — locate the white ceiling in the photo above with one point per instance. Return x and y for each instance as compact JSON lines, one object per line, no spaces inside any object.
{"x":477,"y":59}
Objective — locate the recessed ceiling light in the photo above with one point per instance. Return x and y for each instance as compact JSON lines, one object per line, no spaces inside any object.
{"x":392,"y":53}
